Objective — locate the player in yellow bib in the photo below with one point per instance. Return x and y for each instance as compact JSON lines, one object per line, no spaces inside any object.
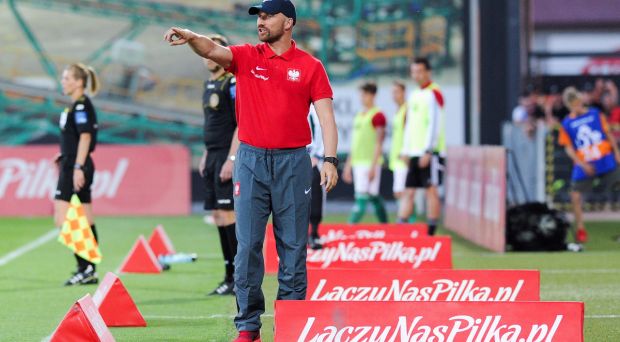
{"x":363,"y":166}
{"x":424,"y":143}
{"x":398,"y":167}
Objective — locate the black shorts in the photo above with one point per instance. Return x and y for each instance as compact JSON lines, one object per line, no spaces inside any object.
{"x":609,"y":181}
{"x":64,"y":189}
{"x":219,"y":195}
{"x":431,"y":175}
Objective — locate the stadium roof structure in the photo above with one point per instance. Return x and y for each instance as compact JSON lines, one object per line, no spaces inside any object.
{"x":356,"y":37}
{"x":139,"y":14}
{"x":32,"y":115}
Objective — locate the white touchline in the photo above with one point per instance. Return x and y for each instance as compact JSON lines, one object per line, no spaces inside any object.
{"x":602,"y":316}
{"x":582,"y":270}
{"x":28,"y":247}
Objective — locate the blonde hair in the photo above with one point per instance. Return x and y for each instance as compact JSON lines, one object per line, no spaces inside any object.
{"x":569,"y":95}
{"x":87,"y":74}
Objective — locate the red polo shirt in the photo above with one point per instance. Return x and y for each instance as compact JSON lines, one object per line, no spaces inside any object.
{"x":274,"y":94}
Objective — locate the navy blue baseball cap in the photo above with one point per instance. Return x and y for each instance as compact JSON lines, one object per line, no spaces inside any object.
{"x":285,"y":7}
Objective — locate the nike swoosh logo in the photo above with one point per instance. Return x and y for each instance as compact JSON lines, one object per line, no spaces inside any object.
{"x":259,"y":76}
{"x":307,"y":191}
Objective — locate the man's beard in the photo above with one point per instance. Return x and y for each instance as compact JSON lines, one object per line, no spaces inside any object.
{"x":271,"y":38}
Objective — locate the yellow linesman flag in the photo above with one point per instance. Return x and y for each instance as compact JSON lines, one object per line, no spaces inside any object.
{"x":77,"y":235}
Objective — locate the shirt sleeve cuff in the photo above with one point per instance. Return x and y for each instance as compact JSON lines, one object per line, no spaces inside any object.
{"x":323,"y":96}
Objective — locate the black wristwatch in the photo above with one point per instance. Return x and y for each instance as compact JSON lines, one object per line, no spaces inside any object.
{"x":77,"y":166}
{"x":332,"y":160}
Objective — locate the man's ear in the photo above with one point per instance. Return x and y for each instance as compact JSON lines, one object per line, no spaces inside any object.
{"x":288,"y":24}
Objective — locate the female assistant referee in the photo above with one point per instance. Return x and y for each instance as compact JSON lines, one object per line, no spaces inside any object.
{"x":78,"y":137}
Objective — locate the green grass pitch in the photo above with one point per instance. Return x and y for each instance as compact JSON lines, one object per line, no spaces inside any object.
{"x":175,"y":305}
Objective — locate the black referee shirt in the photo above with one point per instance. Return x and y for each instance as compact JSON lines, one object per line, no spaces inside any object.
{"x":81,"y":118}
{"x":218,"y":104}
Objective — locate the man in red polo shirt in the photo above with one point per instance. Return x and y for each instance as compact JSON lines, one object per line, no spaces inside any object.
{"x":276,"y":83}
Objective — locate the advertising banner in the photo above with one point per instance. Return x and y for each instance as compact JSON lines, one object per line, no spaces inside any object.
{"x":331,"y":232}
{"x":423,"y":252}
{"x":423,"y":285}
{"x":314,"y":321}
{"x":476,"y":194}
{"x":129,"y":180}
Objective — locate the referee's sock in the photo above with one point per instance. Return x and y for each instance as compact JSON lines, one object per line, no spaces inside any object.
{"x":377,"y":202}
{"x":232,"y":244}
{"x":361,"y":201}
{"x":226,"y":253}
{"x":432,"y":226}
{"x":231,"y":237}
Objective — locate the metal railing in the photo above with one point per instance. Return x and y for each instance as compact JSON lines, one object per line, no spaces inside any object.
{"x":29,"y":114}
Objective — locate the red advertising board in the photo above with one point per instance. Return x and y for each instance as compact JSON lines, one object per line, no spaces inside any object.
{"x":393,"y":253}
{"x":476,"y":194}
{"x":423,"y":285}
{"x":494,"y":199}
{"x":453,"y":175}
{"x":346,"y":232}
{"x":314,"y":321}
{"x":129,"y":180}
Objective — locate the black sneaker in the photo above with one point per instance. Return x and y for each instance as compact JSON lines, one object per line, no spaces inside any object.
{"x":315,"y":243}
{"x":224,"y":289}
{"x":85,"y":277}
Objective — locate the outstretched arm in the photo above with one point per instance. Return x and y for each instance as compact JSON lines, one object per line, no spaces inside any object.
{"x":202,"y":45}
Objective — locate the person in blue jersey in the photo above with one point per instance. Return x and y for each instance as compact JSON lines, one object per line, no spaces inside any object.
{"x":587,"y":140}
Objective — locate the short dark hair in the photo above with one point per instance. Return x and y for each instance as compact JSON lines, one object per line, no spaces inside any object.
{"x":400,"y":84}
{"x":369,"y":87}
{"x":423,"y":60}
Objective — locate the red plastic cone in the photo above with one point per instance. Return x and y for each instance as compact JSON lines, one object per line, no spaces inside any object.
{"x":82,"y":323}
{"x":160,"y":242}
{"x":116,"y":305}
{"x":140,"y":259}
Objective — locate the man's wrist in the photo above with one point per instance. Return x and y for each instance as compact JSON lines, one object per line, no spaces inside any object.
{"x":332,"y":160}
{"x":78,"y":166}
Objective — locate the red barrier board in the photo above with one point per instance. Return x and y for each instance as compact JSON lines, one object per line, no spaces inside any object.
{"x":494,"y":200}
{"x":129,"y":180}
{"x":424,"y":252}
{"x":428,"y":321}
{"x":476,"y":194}
{"x":424,"y":285}
{"x":346,"y":232}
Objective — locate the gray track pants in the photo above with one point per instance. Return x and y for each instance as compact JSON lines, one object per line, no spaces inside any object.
{"x":265,"y":182}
